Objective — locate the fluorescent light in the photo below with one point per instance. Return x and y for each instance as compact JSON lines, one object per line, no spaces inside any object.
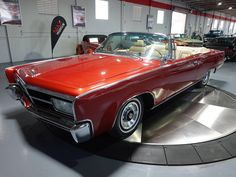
{"x":219,"y":3}
{"x":230,"y":8}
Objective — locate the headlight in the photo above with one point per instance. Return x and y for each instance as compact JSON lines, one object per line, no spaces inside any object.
{"x":62,"y":106}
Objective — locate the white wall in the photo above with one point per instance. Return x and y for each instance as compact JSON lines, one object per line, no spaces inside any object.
{"x":32,"y":40}
{"x":101,"y":26}
{"x":128,"y":23}
{"x":161,"y":28}
{"x":190,"y":23}
{"x":4,"y":53}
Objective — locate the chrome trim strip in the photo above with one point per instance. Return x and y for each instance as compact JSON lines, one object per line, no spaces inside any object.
{"x":46,"y":119}
{"x":23,"y":84}
{"x":56,"y":94}
{"x":35,"y":98}
{"x":117,"y":55}
{"x":173,"y":95}
{"x":73,"y":109}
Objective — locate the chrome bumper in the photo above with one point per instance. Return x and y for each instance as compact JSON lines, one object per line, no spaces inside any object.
{"x":14,"y":91}
{"x":80,"y":131}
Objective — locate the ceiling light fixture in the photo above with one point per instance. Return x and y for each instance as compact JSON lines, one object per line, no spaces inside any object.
{"x":219,"y":3}
{"x":230,"y":8}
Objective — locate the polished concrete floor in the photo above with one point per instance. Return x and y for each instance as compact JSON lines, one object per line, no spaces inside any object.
{"x":197,"y":115}
{"x":28,"y":149}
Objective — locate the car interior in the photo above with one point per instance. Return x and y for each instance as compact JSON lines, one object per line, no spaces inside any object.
{"x":158,"y":50}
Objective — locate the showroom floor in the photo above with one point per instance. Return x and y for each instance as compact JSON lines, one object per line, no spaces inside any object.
{"x":28,"y":149}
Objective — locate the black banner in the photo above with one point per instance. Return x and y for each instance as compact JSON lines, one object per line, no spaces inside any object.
{"x":57,"y":27}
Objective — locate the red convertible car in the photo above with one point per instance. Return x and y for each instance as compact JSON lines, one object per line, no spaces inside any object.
{"x":90,"y":43}
{"x":108,"y":91}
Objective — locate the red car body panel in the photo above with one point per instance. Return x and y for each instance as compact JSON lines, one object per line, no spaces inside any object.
{"x":101,"y":83}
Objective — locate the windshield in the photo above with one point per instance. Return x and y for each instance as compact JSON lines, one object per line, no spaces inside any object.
{"x":144,"y":45}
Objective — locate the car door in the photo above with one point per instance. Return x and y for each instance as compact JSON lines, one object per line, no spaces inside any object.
{"x":180,"y":74}
{"x":206,"y":61}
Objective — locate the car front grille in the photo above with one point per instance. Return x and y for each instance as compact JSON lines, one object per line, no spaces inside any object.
{"x":41,"y":100}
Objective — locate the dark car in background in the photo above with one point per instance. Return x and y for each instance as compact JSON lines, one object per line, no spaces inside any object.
{"x":223,"y":43}
{"x":215,"y":39}
{"x":214,"y":33}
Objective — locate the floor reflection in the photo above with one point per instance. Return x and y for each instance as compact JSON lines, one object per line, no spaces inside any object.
{"x":194,"y":116}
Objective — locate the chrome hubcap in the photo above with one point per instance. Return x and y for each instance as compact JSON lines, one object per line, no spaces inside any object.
{"x":130,"y":115}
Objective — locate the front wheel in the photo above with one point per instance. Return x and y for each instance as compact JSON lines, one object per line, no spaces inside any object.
{"x":204,"y":81}
{"x":128,"y":118}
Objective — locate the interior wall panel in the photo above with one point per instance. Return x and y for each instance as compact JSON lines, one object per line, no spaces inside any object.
{"x":103,"y":26}
{"x":161,"y":28}
{"x":130,"y":24}
{"x":190,"y":23}
{"x":32,"y":40}
{"x":4,"y":52}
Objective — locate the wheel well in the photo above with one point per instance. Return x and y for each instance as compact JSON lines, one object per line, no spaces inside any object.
{"x":148,"y":100}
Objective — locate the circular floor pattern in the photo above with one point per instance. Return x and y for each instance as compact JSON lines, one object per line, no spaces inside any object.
{"x":195,"y":127}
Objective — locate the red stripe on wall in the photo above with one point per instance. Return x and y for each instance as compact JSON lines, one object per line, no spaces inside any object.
{"x":212,"y":16}
{"x":146,"y":3}
{"x":166,"y":6}
{"x":161,"y":5}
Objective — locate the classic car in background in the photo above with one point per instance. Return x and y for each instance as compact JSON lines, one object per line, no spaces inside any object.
{"x":223,"y":43}
{"x":214,"y":33}
{"x":90,"y":43}
{"x":107,"y":91}
{"x":184,"y":40}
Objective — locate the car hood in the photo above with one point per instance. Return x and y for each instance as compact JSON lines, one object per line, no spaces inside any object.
{"x":78,"y":72}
